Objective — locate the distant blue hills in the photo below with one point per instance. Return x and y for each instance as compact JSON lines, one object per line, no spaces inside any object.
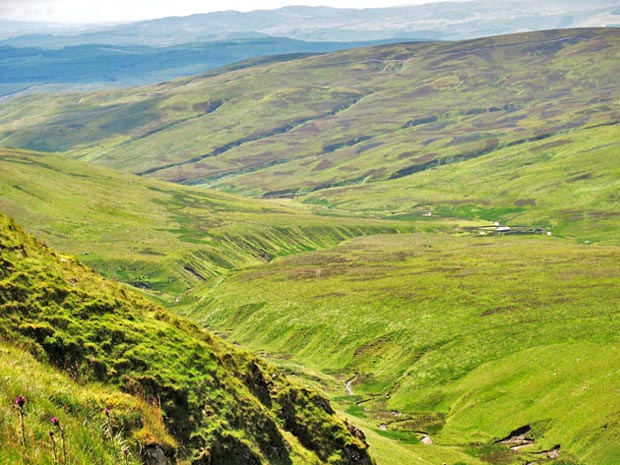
{"x":99,"y":65}
{"x":40,"y":57}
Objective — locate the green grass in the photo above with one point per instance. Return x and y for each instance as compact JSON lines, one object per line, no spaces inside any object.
{"x":567,"y":183}
{"x":461,"y":335}
{"x":422,"y":318}
{"x":80,"y":409}
{"x":158,"y":236}
{"x":346,"y":118}
{"x":393,"y":452}
{"x":567,"y":392}
{"x":208,"y":395}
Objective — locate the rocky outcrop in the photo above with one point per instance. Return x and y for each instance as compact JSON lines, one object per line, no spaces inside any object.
{"x":154,"y":455}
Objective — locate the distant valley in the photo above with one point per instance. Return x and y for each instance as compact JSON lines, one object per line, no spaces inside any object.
{"x":387,"y":116}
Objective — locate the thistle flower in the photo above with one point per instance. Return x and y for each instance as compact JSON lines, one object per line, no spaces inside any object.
{"x":20,"y":401}
{"x":106,"y":411}
{"x":56,"y":422}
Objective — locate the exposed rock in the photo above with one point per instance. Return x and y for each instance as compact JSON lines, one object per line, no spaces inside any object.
{"x":525,"y":443}
{"x":255,"y":380}
{"x":154,"y":455}
{"x":305,"y":414}
{"x":356,"y":432}
{"x":357,"y":455}
{"x":323,"y":404}
{"x":553,"y":453}
{"x":519,"y":437}
{"x":426,"y":439}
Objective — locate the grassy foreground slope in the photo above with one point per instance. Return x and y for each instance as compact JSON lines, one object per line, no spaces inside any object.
{"x":90,"y":437}
{"x":156,"y":235}
{"x":467,"y":338}
{"x":345,"y":118}
{"x":221,"y":406}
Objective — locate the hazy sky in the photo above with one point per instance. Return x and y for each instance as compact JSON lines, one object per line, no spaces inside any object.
{"x":93,"y":11}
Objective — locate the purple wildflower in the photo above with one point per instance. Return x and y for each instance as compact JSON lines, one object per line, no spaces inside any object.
{"x":106,"y":411}
{"x":20,"y":401}
{"x":56,"y":422}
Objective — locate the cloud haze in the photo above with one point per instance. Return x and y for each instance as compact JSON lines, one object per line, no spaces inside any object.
{"x":93,"y":11}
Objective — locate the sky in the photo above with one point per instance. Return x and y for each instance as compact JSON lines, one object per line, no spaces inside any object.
{"x":102,"y":11}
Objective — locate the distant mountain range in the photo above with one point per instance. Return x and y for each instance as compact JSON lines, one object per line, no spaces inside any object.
{"x":103,"y":66}
{"x":38,"y":57}
{"x":436,"y":21}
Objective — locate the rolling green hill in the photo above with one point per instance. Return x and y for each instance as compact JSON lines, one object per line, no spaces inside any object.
{"x":568,"y":183}
{"x":158,"y":236}
{"x":220,"y":405}
{"x":347,"y":118}
{"x":462,"y":336}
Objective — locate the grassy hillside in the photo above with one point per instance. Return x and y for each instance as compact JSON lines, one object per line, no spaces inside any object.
{"x":568,"y":183}
{"x":91,"y":437}
{"x":347,"y":118}
{"x":465,"y":337}
{"x":154,"y":235}
{"x":221,"y":406}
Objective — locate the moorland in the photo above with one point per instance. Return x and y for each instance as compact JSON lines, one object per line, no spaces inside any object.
{"x":426,"y":233}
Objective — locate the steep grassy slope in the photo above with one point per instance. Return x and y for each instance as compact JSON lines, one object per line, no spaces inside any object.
{"x":91,"y":437}
{"x":466,"y":337}
{"x":346,"y":118}
{"x":223,"y":406}
{"x":155,"y":235}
